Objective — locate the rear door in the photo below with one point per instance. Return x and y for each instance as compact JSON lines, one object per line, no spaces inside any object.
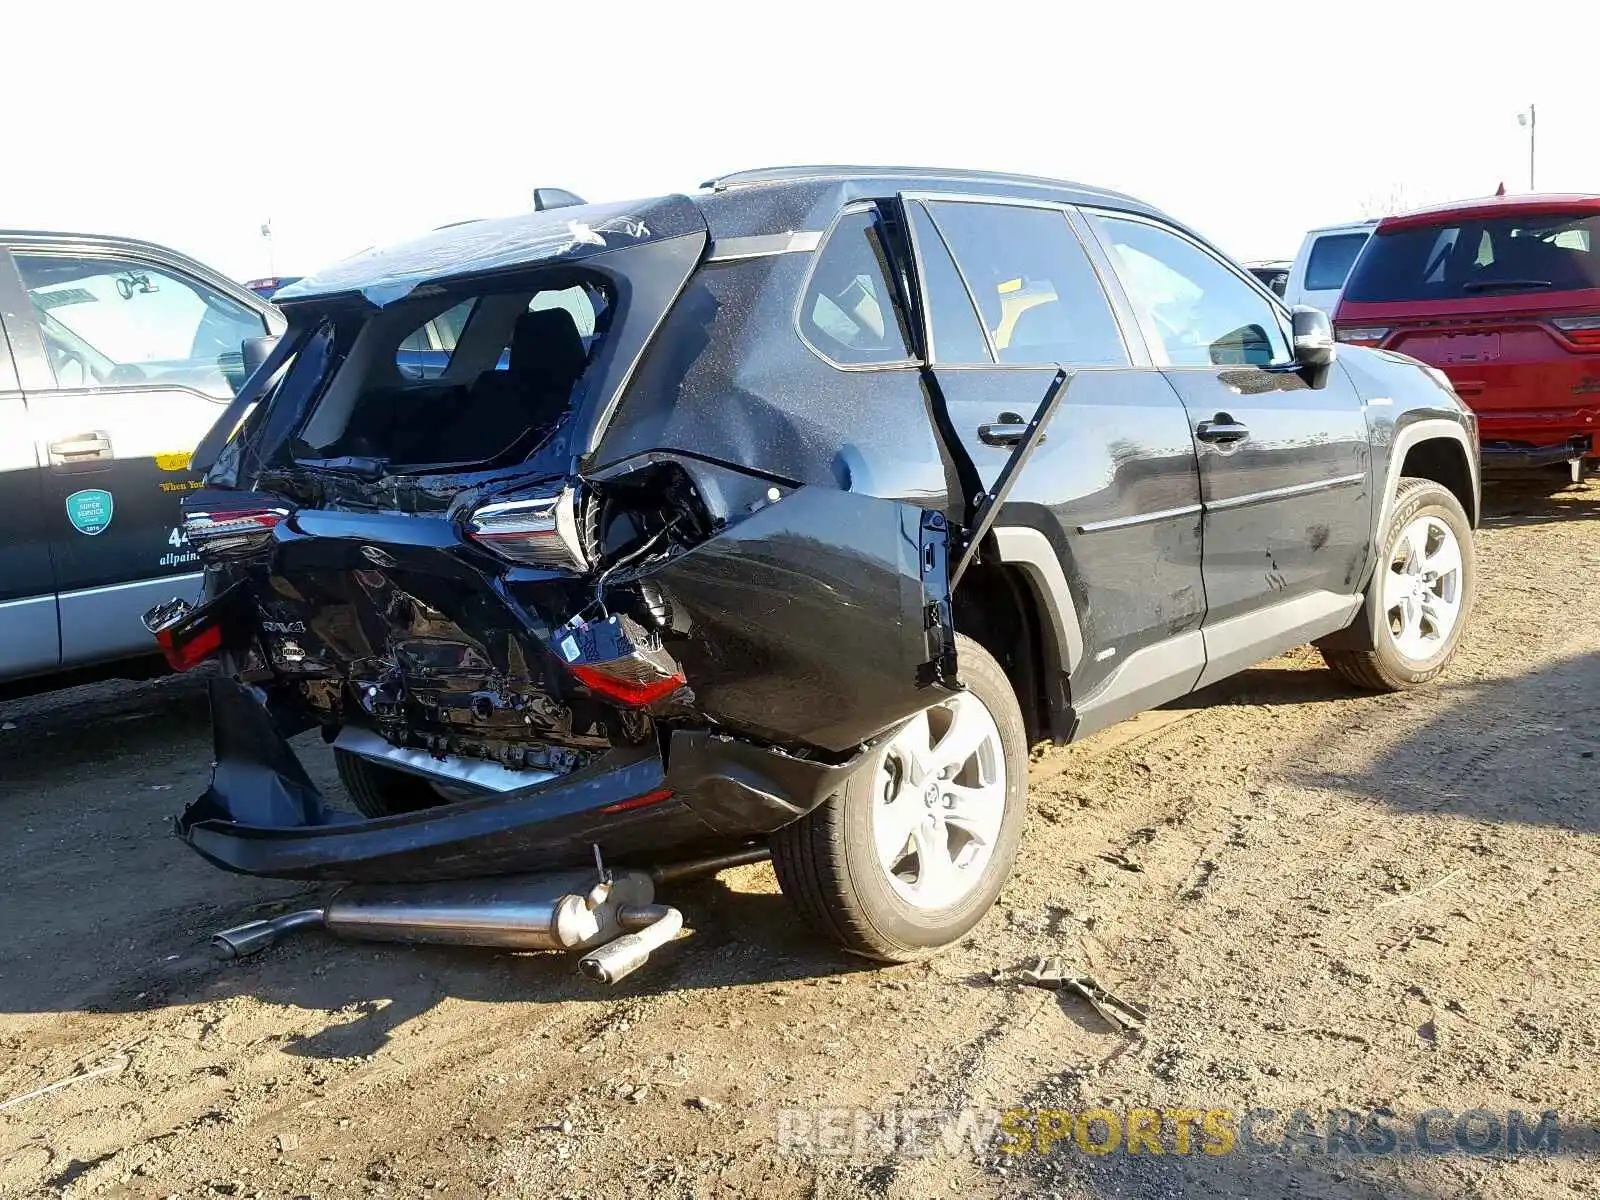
{"x":1011,"y":295}
{"x":1284,"y":467}
{"x":130,"y":361}
{"x":30,"y":640}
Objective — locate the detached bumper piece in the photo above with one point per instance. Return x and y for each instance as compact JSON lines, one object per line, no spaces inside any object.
{"x":262,"y":814}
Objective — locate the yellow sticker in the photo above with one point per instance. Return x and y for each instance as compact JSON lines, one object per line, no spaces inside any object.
{"x":1010,"y":285}
{"x":174,"y":462}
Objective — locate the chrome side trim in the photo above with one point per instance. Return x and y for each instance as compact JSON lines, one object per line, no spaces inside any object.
{"x":1031,"y":550}
{"x":469,"y":772}
{"x":1294,"y":489}
{"x":181,"y":583}
{"x":731,"y":249}
{"x":1253,"y":637}
{"x":1149,"y":518}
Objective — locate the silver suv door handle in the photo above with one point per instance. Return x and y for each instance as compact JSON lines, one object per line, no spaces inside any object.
{"x":80,"y":447}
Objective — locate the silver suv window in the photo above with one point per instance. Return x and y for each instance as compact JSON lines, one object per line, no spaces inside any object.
{"x":111,"y":322}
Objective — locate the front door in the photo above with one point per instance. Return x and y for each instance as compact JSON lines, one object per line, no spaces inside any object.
{"x":30,"y":639}
{"x":131,"y":364}
{"x":1012,"y":295}
{"x":1285,"y":468}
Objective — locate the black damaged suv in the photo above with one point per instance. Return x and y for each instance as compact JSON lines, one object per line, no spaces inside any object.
{"x":788,"y":511}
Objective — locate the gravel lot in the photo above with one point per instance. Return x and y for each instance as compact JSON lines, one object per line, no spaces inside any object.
{"x":1323,"y":899}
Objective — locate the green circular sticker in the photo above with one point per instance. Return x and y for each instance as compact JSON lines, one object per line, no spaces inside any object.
{"x":90,"y":510}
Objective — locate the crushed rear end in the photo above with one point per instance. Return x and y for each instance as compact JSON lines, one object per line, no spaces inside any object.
{"x":406,"y":551}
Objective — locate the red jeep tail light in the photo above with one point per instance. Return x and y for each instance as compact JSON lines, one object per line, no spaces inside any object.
{"x":1580,"y":331}
{"x":1362,"y":335}
{"x":621,"y":660}
{"x":537,"y":531}
{"x":223,"y":532}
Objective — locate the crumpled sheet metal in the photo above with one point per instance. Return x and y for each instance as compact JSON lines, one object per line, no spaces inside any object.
{"x":386,"y":274}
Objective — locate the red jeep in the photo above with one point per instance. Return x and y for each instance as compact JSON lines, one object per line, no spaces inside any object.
{"x":1503,"y":296}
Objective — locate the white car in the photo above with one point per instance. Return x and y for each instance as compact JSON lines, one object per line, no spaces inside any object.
{"x":1323,"y":264}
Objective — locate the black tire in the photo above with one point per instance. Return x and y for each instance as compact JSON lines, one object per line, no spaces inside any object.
{"x":379,"y":791}
{"x":1366,"y":653}
{"x":827,"y":863}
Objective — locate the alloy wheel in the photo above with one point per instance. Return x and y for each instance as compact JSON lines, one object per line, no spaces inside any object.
{"x":939,"y":800}
{"x":1422,"y":589}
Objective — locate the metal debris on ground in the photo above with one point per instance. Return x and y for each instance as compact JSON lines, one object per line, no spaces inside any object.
{"x":1122,"y":1015}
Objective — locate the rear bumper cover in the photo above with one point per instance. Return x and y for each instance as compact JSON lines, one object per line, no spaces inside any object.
{"x":262,"y":814}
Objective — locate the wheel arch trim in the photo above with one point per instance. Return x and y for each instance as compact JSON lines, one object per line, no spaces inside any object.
{"x":1408,"y":438}
{"x":1031,"y":551}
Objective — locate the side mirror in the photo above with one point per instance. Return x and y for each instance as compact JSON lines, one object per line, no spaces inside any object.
{"x":255,"y":352}
{"x":1313,"y":336}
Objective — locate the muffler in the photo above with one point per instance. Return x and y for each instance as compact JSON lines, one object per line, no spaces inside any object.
{"x":612,"y":915}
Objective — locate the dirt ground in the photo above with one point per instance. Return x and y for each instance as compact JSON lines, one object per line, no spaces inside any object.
{"x":1323,"y":899}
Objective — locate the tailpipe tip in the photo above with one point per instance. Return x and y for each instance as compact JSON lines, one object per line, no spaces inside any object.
{"x":654,"y":926}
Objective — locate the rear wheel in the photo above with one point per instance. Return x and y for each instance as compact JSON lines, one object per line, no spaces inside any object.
{"x":914,"y":849}
{"x":379,"y":791}
{"x":1419,"y":598}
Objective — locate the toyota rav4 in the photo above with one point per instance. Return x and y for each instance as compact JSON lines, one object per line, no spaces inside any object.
{"x":790,"y":511}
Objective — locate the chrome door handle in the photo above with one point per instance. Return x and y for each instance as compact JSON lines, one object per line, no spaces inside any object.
{"x":80,"y":448}
{"x":1222,"y":432}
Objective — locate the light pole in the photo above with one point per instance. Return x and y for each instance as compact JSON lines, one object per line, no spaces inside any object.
{"x":272,"y":258}
{"x":1529,"y":121}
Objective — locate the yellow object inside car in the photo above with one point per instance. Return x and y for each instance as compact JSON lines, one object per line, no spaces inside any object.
{"x":1016,"y":298}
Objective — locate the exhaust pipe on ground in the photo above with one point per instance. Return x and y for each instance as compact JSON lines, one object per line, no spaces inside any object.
{"x":612,"y":915}
{"x":567,"y":911}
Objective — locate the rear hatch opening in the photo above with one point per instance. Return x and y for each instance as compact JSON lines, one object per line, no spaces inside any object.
{"x":452,"y":380}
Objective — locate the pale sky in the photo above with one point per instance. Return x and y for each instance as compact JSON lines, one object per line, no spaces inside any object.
{"x":352,"y":124}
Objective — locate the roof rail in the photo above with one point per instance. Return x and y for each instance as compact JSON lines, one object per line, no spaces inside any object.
{"x":758,"y":176}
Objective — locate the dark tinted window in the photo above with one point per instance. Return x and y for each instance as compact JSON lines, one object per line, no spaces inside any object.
{"x":849,"y":311}
{"x":1202,"y":312}
{"x":1331,"y":260}
{"x":1036,"y":290}
{"x":957,"y":337}
{"x":1495,"y":257}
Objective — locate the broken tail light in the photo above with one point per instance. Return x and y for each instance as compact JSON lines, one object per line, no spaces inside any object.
{"x":621,"y":660}
{"x":220,"y":524}
{"x":187,"y":637}
{"x":1583,"y":332}
{"x":536,"y":531}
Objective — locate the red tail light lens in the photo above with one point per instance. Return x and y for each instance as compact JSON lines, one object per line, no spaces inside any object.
{"x":619,"y":659}
{"x":184,"y":652}
{"x":1362,"y":335}
{"x":187,"y":638}
{"x":1580,"y":331}
{"x":537,"y":531}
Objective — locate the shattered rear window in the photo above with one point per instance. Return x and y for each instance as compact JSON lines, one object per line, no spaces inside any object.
{"x":451,"y":378}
